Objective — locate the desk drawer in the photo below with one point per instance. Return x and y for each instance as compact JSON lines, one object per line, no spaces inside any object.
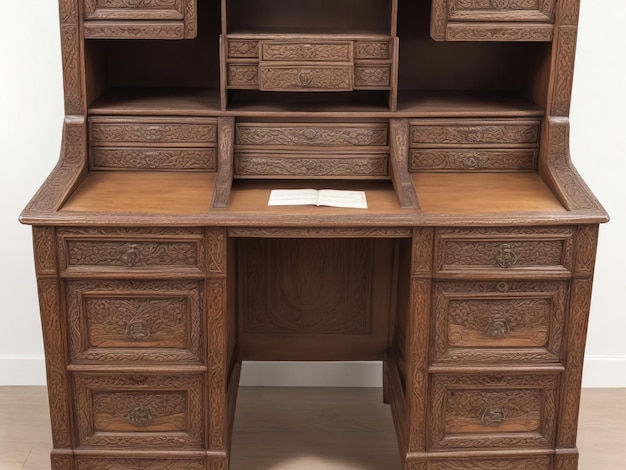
{"x":110,"y":131}
{"x":307,"y":134}
{"x":504,"y":252}
{"x":501,"y":10}
{"x":311,"y":165}
{"x":470,"y":132}
{"x":306,"y":77}
{"x":96,"y":463}
{"x":474,"y":159}
{"x":376,"y":50}
{"x":140,"y":19}
{"x":311,"y":51}
{"x":154,"y":158}
{"x":372,"y":76}
{"x":132,"y":321}
{"x":499,"y":321}
{"x":90,"y":252}
{"x":493,"y":411}
{"x":139,"y":410}
{"x":134,"y":9}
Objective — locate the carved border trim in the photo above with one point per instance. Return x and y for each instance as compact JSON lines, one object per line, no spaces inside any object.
{"x":322,"y":232}
{"x":399,"y":136}
{"x":223,"y":185}
{"x":71,"y":50}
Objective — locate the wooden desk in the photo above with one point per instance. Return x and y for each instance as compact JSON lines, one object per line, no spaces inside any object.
{"x":161,"y":267}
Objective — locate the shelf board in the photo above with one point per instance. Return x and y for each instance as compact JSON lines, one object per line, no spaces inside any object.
{"x":413,"y":104}
{"x":309,"y":33}
{"x":158,"y":101}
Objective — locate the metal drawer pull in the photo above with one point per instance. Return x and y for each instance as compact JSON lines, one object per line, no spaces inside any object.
{"x":506,"y":257}
{"x":493,"y":416}
{"x":140,"y":416}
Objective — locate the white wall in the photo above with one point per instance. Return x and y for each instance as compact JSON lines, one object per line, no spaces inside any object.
{"x":30,"y":125}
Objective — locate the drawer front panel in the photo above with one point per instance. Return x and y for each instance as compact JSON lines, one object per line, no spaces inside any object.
{"x":338,"y":51}
{"x":108,"y":158}
{"x":243,"y":49}
{"x":496,"y":321}
{"x":244,"y":76}
{"x":134,"y":9}
{"x":86,"y":463}
{"x":504,"y":250}
{"x":304,"y":165}
{"x":483,"y":411}
{"x":501,"y":10}
{"x":312,"y":134}
{"x":376,"y":77}
{"x":306,"y":77}
{"x":127,"y":411}
{"x":453,"y":132}
{"x":504,"y":463}
{"x":83,"y":251}
{"x":376,"y":50}
{"x":473,"y":159}
{"x":129,"y":321}
{"x":127,"y":131}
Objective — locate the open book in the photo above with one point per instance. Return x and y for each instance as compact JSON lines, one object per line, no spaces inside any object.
{"x":322,"y":197}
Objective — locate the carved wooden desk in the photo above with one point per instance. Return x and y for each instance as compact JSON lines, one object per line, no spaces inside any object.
{"x":161,"y":268}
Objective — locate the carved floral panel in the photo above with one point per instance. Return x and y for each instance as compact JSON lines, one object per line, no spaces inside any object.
{"x":458,"y":132}
{"x":301,"y":166}
{"x":473,"y":159}
{"x":153,"y":158}
{"x":134,"y":9}
{"x":109,"y":131}
{"x":340,"y":51}
{"x":309,"y":134}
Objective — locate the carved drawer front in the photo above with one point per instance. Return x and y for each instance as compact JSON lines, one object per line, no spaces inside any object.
{"x":493,"y":20}
{"x":479,"y":159}
{"x":300,"y":51}
{"x":115,"y":158}
{"x":243,"y":48}
{"x":342,"y":165}
{"x":452,"y":132}
{"x":135,"y":9}
{"x":499,"y":321}
{"x":95,"y":463}
{"x":501,"y":10}
{"x":140,"y":19}
{"x":493,"y":411}
{"x":543,"y":462}
{"x":139,"y":410}
{"x":504,"y":252}
{"x":129,"y":321}
{"x":129,"y":132}
{"x":306,"y":77}
{"x":156,"y":251}
{"x":372,"y":76}
{"x":309,"y":134}
{"x":375,"y":50}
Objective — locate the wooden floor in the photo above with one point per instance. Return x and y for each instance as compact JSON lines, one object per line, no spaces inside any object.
{"x":308,"y":429}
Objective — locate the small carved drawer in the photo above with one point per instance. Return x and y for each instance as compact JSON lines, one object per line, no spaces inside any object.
{"x":499,"y":321}
{"x":135,"y":321}
{"x":493,"y":20}
{"x":493,"y":411}
{"x":343,"y":165}
{"x":309,"y":51}
{"x":140,"y":19}
{"x":504,"y":252}
{"x":494,"y":132}
{"x":131,"y":252}
{"x":306,"y":77}
{"x":129,"y":143}
{"x":139,"y":410}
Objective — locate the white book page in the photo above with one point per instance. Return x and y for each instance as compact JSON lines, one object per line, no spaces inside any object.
{"x":340,"y":198}
{"x":324,"y":197}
